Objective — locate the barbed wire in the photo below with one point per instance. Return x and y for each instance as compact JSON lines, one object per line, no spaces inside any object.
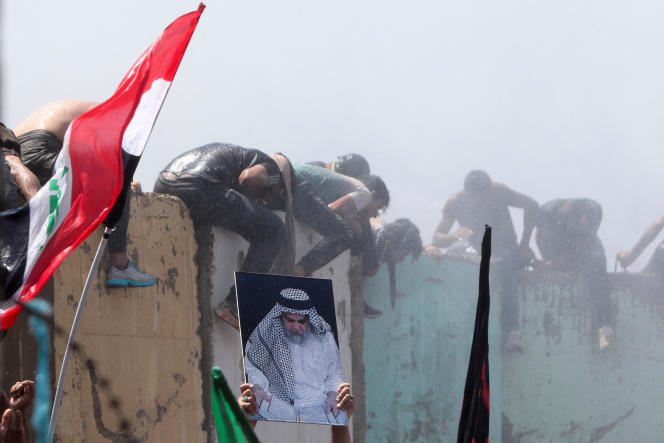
{"x":104,"y":383}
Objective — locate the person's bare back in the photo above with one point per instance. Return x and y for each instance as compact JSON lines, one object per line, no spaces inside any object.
{"x":54,"y":117}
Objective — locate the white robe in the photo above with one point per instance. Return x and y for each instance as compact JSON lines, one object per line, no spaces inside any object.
{"x":316,"y":370}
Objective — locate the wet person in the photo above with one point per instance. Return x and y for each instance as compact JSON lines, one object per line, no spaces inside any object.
{"x":41,"y":136}
{"x":656,"y":263}
{"x":293,"y":362}
{"x":485,"y":202}
{"x":357,"y":200}
{"x":10,"y":197}
{"x":344,"y":195}
{"x":394,"y":242}
{"x":566,"y":236}
{"x":345,"y":168}
{"x":352,"y":165}
{"x":237,"y":188}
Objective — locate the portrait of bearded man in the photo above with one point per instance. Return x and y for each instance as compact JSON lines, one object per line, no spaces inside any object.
{"x":293,"y":361}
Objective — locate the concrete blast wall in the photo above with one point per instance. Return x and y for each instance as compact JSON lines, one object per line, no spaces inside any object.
{"x":225,"y":341}
{"x":152,"y":348}
{"x":144,"y":341}
{"x":561,"y":388}
{"x":416,"y":355}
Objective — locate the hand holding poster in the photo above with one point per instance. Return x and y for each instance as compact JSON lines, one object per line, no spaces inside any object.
{"x":291,"y":351}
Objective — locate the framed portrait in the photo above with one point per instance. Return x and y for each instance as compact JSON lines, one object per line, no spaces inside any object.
{"x":290,"y":347}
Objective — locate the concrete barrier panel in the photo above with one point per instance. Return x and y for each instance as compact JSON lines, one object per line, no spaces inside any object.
{"x":564,"y":388}
{"x":152,"y":348}
{"x":143,"y":341}
{"x":416,"y":355}
{"x":561,"y":388}
{"x":228,"y":251}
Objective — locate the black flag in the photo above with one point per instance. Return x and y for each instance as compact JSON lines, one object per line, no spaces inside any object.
{"x":474,"y":420}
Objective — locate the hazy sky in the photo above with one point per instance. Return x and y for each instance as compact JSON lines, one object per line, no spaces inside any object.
{"x":555,"y":99}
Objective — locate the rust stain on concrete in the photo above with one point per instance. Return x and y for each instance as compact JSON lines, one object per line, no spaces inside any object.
{"x":172,"y":278}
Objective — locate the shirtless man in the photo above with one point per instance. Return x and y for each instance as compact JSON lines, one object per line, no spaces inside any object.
{"x":40,"y":137}
{"x":54,"y":117}
{"x":484,"y":202}
{"x":352,"y":165}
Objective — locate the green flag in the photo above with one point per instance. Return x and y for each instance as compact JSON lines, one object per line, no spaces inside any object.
{"x":229,"y":419}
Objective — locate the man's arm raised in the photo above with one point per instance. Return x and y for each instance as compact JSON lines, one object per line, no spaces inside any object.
{"x":443,"y":238}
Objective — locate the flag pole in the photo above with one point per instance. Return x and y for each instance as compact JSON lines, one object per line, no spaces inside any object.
{"x":72,"y":333}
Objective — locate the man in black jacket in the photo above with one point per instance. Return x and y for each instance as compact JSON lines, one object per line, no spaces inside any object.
{"x":236,"y":188}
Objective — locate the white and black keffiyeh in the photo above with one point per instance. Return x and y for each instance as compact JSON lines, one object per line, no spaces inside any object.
{"x":268,"y":348}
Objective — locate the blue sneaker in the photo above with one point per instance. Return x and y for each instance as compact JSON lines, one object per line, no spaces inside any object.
{"x":129,"y":276}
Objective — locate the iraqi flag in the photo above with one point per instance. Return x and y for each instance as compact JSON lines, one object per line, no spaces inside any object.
{"x":100,"y":152}
{"x":474,"y":420}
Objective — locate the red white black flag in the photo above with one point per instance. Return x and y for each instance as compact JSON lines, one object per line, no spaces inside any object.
{"x":474,"y":420}
{"x":100,"y":153}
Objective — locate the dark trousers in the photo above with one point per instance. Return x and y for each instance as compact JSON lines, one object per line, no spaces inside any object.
{"x":506,"y":271}
{"x":9,"y":194}
{"x":212,"y":203}
{"x":337,"y":233}
{"x":118,"y":240}
{"x":217,"y":204}
{"x":585,"y":256}
{"x":592,"y":267}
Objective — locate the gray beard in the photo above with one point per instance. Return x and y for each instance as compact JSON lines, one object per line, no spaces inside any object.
{"x":295,"y":339}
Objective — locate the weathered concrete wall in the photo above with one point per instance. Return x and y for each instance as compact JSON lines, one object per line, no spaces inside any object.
{"x":228,"y":251}
{"x":561,"y":388}
{"x":143,"y":340}
{"x":156,"y":345}
{"x":416,"y":355}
